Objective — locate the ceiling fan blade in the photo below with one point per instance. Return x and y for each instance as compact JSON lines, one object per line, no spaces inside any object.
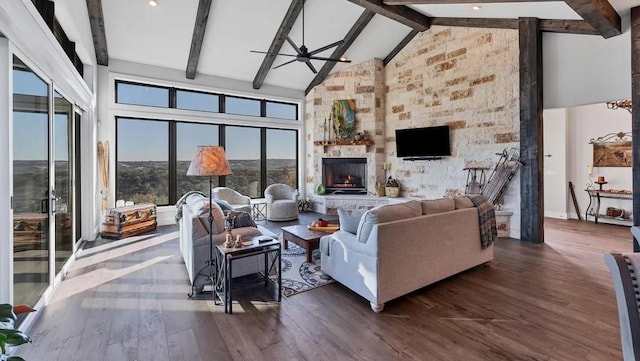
{"x":264,"y":52}
{"x":294,"y":46}
{"x":283,"y":64}
{"x":319,"y":50}
{"x":313,"y":69}
{"x":330,"y":59}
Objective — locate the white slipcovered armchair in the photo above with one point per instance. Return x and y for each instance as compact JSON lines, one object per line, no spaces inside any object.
{"x":236,"y":200}
{"x":282,"y":202}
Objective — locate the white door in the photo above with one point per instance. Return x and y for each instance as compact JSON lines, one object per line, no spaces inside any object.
{"x":556,"y":187}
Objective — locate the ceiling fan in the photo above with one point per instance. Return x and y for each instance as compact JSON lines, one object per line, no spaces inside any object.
{"x":303,"y":54}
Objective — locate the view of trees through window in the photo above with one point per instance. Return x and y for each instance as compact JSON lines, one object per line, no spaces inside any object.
{"x":144,"y":172}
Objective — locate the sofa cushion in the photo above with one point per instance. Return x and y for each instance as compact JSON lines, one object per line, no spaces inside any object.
{"x":386,"y":213}
{"x":218,"y":216}
{"x":463,"y":202}
{"x":434,"y":206}
{"x":349,"y":219}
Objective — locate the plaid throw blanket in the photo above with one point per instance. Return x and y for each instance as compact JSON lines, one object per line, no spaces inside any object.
{"x":487,"y":218}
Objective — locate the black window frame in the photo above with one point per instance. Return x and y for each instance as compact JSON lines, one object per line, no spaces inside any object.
{"x":172,"y":126}
{"x":222,"y":97}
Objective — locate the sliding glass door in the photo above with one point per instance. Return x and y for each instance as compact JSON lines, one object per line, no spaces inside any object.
{"x":62,"y":209}
{"x":43,"y":186}
{"x":31,"y":246}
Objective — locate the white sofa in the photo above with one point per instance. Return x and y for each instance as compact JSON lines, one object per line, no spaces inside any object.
{"x":400,"y":248}
{"x":194,"y":239}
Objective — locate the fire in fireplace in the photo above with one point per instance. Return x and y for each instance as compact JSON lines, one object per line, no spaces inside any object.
{"x":345,"y":175}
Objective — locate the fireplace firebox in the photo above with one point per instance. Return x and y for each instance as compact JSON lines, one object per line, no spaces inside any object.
{"x":345,"y":175}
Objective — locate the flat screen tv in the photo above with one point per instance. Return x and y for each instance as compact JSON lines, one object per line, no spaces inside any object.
{"x":428,"y":142}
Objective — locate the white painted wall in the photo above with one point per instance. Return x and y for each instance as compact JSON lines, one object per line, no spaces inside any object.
{"x":592,"y":121}
{"x":586,"y":69}
{"x":555,"y":163}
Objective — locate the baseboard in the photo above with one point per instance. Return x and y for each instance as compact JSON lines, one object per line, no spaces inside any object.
{"x":558,"y":215}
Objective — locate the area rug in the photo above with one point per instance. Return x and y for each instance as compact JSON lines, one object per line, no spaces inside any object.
{"x":298,"y":275}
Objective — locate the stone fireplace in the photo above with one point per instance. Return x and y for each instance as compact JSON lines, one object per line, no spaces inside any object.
{"x":344,"y":175}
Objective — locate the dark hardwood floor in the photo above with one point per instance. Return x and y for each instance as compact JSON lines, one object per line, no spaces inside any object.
{"x":553,"y":301}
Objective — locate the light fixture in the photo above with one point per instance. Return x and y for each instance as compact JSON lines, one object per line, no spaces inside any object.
{"x":624,"y":104}
{"x":476,"y":7}
{"x":342,"y":58}
{"x":209,"y":160}
{"x":153,"y":2}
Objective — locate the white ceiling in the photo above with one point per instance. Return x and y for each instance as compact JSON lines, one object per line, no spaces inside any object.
{"x":161,"y":35}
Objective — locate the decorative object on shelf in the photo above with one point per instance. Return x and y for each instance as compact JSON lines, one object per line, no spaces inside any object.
{"x":392,"y":187}
{"x":324,"y":130}
{"x":320,"y":189}
{"x":591,"y":176}
{"x":617,"y":104}
{"x":343,"y":117}
{"x":380,"y":189}
{"x":612,"y":150}
{"x":209,"y":160}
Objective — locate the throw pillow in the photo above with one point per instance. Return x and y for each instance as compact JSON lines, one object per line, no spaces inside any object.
{"x":386,"y":213}
{"x":224,"y":205}
{"x":463,"y":202}
{"x":434,"y":206}
{"x":349,"y":219}
{"x":241,"y":219}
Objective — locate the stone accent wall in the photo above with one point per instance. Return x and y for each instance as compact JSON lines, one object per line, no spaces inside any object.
{"x":365,"y":84}
{"x":466,"y":78}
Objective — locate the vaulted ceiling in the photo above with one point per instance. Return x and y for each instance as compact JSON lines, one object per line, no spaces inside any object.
{"x":214,"y":37}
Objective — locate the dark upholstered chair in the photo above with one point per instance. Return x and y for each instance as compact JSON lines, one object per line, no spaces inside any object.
{"x":282,"y":202}
{"x":625,"y":270}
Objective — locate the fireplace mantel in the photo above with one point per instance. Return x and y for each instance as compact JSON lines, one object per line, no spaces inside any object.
{"x":340,"y":143}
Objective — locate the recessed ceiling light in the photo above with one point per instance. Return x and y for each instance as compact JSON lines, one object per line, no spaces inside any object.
{"x":342,"y":58}
{"x":476,"y":7}
{"x":153,"y":2}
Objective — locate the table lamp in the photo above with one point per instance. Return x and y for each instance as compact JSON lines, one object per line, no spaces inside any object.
{"x":209,"y":160}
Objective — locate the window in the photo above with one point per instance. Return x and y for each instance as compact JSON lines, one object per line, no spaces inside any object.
{"x":282,"y":110}
{"x":142,"y":169}
{"x":190,"y":100}
{"x":169,"y":97}
{"x":242,"y":106}
{"x":282,"y":166}
{"x":188,"y":137}
{"x":141,"y":94}
{"x":242,"y":146}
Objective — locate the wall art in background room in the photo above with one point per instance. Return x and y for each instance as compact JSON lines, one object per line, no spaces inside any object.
{"x":343,"y":116}
{"x":612,"y":154}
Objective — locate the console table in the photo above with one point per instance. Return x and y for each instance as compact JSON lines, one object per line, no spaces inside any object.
{"x":593,"y":209}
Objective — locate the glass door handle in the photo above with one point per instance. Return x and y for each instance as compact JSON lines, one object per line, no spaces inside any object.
{"x":53,"y":201}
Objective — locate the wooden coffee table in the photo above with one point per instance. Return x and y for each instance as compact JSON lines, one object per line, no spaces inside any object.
{"x":303,"y":237}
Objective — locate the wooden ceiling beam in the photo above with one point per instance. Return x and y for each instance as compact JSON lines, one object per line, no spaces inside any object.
{"x":401,"y":14}
{"x":600,"y":14}
{"x":281,"y":35}
{"x":351,"y":36}
{"x":546,"y":25}
{"x":96,"y":20}
{"x":495,"y":23}
{"x":198,"y":36}
{"x":567,"y":26}
{"x":400,"y":46}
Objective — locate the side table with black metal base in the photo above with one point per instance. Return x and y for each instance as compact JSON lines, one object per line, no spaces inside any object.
{"x":225,"y":282}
